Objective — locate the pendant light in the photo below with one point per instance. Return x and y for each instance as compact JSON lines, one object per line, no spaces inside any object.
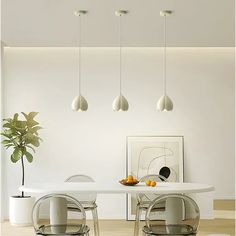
{"x":165,"y":103}
{"x":120,"y":103}
{"x":79,"y":103}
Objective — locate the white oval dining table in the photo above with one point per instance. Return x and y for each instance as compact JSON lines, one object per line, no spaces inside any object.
{"x":58,"y":213}
{"x":103,"y":187}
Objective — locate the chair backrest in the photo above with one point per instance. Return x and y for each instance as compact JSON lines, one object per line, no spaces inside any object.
{"x":57,"y":220}
{"x":83,"y":197}
{"x":181,"y":214}
{"x":148,"y":197}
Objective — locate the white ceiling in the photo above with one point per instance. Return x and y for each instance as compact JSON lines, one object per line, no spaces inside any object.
{"x":52,"y":23}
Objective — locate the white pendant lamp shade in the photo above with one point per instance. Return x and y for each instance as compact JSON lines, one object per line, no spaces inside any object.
{"x":165,"y":103}
{"x":120,"y":103}
{"x":79,"y":103}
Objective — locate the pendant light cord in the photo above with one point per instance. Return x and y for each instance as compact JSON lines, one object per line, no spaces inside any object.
{"x":120,"y":51}
{"x":79,"y":52}
{"x":165,"y":55}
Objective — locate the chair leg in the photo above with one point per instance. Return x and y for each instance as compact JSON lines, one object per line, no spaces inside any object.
{"x":137,"y":220}
{"x":95,"y":221}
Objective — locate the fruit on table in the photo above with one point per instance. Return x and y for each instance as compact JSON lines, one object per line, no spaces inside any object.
{"x":153,"y":183}
{"x":130,"y":178}
{"x":150,"y":183}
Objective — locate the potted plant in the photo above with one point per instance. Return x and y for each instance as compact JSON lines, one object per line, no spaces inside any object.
{"x":21,"y":136}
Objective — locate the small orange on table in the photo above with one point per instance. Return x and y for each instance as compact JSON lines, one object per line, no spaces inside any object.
{"x":153,"y":183}
{"x":130,"y":178}
{"x":150,"y":183}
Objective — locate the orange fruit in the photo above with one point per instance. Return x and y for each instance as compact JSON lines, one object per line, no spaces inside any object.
{"x":148,"y":182}
{"x":153,"y":183}
{"x":130,"y":178}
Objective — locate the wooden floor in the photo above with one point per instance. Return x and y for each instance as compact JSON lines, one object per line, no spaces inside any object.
{"x":215,"y":227}
{"x":222,"y":225}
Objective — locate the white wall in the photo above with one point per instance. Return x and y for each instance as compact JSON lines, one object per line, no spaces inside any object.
{"x":200,"y":82}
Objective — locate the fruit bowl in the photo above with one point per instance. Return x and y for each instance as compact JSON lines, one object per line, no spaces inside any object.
{"x":127,"y":183}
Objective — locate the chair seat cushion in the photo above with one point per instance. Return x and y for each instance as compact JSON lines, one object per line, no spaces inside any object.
{"x":69,"y":229}
{"x":169,"y":230}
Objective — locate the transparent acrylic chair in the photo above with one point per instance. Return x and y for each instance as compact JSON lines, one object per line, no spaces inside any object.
{"x":144,"y":200}
{"x":88,"y":201}
{"x":181,"y":216}
{"x":57,"y":220}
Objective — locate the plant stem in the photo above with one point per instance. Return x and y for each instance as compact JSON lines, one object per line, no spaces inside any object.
{"x":23,"y":174}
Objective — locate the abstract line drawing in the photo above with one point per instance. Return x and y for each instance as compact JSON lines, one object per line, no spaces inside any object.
{"x":147,"y":155}
{"x":164,"y":155}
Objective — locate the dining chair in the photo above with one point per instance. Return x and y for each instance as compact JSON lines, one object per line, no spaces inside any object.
{"x":184,"y":221}
{"x":59,"y":222}
{"x":88,"y":201}
{"x":144,"y":200}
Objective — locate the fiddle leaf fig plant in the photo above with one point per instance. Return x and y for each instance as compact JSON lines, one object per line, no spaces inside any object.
{"x":22,"y":137}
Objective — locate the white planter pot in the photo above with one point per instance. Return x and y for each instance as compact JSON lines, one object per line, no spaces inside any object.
{"x":20,"y":210}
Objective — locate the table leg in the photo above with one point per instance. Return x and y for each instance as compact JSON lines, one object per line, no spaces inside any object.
{"x":58,"y":214}
{"x":174,"y":211}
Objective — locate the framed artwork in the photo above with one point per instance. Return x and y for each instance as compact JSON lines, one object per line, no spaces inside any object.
{"x":147,"y":155}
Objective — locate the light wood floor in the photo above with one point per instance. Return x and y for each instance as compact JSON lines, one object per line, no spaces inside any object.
{"x":124,"y":228}
{"x":222,"y":225}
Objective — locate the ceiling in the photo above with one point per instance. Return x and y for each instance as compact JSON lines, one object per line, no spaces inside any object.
{"x":51,"y":23}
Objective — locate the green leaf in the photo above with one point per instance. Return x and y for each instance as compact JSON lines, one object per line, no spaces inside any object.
{"x":8,"y":120}
{"x":35,"y":129}
{"x":12,"y":159}
{"x":17,"y":154}
{"x":15,"y":118}
{"x":7,"y":125}
{"x":10,"y":131}
{"x":35,"y":142}
{"x":16,"y":139}
{"x":32,"y":114}
{"x":6,"y":135}
{"x":6,"y":142}
{"x":25,"y":115}
{"x":21,"y":124}
{"x":30,"y":138}
{"x":32,"y":123}
{"x":29,"y":157}
{"x":31,"y":148}
{"x":9,"y":145}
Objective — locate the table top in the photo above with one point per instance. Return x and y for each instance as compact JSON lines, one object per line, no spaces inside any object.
{"x":96,"y":187}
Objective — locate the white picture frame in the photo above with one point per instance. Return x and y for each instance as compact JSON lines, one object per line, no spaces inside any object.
{"x":147,"y":155}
